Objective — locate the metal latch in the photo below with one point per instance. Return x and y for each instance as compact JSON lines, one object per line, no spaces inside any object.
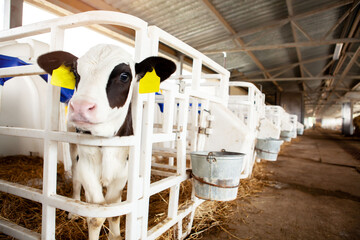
{"x":207,"y":130}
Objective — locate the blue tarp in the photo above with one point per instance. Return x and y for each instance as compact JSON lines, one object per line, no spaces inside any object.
{"x":7,"y":61}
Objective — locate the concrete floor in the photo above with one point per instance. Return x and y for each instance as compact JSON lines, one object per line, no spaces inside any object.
{"x":314,"y":193}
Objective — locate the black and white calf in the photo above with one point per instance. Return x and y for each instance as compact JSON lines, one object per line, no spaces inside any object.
{"x":105,"y":78}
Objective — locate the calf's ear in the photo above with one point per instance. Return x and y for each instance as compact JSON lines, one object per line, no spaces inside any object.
{"x":53,"y":60}
{"x":163,"y":67}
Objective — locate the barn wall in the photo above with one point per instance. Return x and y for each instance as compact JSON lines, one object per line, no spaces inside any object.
{"x":237,"y":91}
{"x":293,"y":103}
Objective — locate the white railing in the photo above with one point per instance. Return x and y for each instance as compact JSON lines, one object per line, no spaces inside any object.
{"x":136,"y":206}
{"x":248,"y":108}
{"x":274,"y":114}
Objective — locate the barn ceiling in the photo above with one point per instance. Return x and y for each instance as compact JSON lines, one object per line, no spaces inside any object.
{"x":280,"y":45}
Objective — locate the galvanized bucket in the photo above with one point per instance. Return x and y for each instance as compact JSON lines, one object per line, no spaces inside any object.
{"x":216,"y":174}
{"x":286,"y":135}
{"x":300,"y":131}
{"x":268,"y":149}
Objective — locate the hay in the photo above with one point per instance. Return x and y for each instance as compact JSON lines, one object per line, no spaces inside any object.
{"x":209,"y":216}
{"x":215,"y":216}
{"x":28,"y":171}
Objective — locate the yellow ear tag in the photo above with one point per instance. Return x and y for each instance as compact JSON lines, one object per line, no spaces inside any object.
{"x":149,"y":83}
{"x":62,"y":77}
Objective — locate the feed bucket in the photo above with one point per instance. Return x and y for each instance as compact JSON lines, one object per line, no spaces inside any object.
{"x":286,"y":135}
{"x":216,"y":174}
{"x":268,"y":149}
{"x":300,"y":131}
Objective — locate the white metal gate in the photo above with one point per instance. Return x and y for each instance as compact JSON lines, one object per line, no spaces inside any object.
{"x":136,"y":206}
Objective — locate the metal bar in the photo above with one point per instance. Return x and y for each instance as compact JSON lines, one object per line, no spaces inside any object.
{"x":346,"y":70}
{"x":65,"y":203}
{"x":26,"y":70}
{"x":76,"y":138}
{"x":285,"y":45}
{"x":166,"y":183}
{"x":17,"y":231}
{"x":326,"y":67}
{"x":341,"y":19}
{"x":159,"y":229}
{"x":72,"y":21}
{"x":145,"y":156}
{"x":238,"y":40}
{"x":307,"y":71}
{"x":302,"y":30}
{"x":296,"y":78}
{"x":274,"y":24}
{"x":163,"y":137}
{"x":165,"y":166}
{"x":287,"y":66}
{"x":186,"y":49}
{"x":50,"y":146}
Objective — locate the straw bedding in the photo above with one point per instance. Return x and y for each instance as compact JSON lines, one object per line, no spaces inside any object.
{"x":26,"y":170}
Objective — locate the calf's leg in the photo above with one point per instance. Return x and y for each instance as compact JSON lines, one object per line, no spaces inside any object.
{"x":113,"y":195}
{"x":94,"y":194}
{"x":75,"y":181}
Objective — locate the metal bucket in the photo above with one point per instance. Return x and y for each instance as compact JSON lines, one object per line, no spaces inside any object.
{"x":300,"y":131}
{"x":216,"y":174}
{"x":286,"y":135}
{"x":268,"y":149}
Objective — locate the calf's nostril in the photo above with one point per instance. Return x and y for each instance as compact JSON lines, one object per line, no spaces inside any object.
{"x":82,"y":106}
{"x":91,"y":108}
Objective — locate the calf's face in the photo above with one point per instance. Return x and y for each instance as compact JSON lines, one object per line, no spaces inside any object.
{"x":105,"y":78}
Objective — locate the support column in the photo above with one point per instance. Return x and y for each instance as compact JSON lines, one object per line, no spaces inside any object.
{"x":293,"y":103}
{"x":12,"y":11}
{"x":347,"y":117}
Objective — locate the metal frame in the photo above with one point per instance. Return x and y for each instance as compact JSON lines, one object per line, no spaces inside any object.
{"x":136,"y":206}
{"x":253,"y":105}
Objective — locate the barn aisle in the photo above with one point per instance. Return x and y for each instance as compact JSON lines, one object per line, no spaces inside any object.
{"x":313,"y":192}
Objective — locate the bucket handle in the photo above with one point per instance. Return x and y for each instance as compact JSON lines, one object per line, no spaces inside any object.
{"x":258,"y":149}
{"x":211,"y":158}
{"x":212,"y":184}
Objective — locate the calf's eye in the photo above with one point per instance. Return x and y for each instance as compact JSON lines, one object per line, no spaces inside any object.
{"x":124,"y":77}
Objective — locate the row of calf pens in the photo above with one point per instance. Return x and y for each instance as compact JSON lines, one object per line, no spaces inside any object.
{"x":192,"y":118}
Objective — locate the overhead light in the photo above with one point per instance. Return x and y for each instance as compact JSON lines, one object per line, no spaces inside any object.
{"x":337,"y":51}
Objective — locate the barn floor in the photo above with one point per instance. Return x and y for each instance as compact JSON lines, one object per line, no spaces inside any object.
{"x":313,"y":192}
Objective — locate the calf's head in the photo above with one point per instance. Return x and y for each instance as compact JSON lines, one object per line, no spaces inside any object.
{"x":105,"y":78}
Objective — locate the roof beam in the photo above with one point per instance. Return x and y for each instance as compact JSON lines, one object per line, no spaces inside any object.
{"x":298,"y":52}
{"x":67,"y":7}
{"x":101,"y":5}
{"x":346,"y":70}
{"x":285,"y":66}
{"x":341,"y":19}
{"x":227,"y":26}
{"x":326,"y":67}
{"x":285,"y":45}
{"x":343,"y":56}
{"x":302,"y":30}
{"x":219,"y":17}
{"x":294,"y":78}
{"x":274,"y":24}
